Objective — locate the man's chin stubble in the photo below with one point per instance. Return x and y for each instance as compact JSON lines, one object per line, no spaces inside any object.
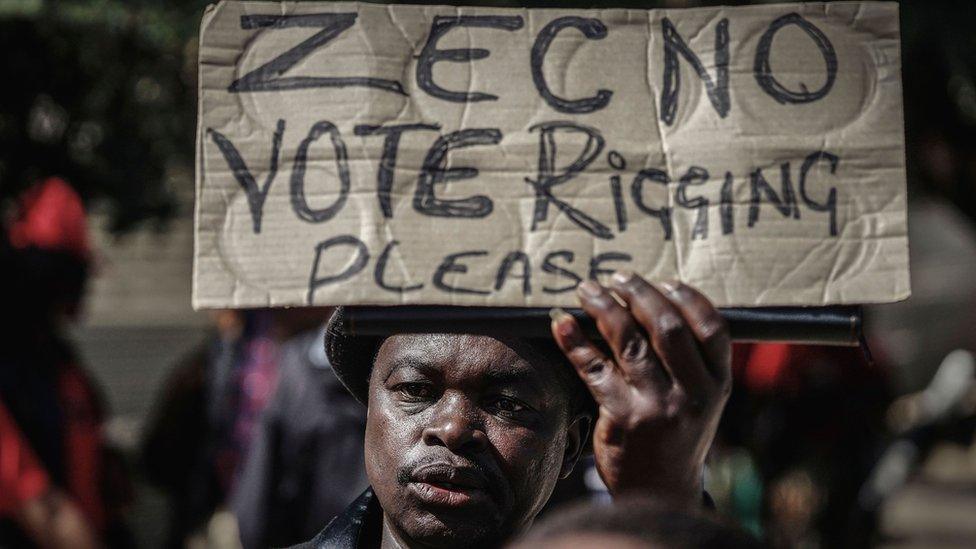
{"x":453,"y":528}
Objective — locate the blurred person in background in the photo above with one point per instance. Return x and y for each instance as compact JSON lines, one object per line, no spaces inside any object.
{"x":254,"y":422}
{"x":943,"y":412}
{"x":203,"y":421}
{"x":306,"y":462}
{"x":46,"y":516}
{"x":49,"y":396}
{"x":811,"y":420}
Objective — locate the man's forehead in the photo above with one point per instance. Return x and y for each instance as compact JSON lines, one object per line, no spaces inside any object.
{"x":461,"y":352}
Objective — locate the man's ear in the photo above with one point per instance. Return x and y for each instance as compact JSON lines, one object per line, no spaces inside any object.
{"x":577,"y":436}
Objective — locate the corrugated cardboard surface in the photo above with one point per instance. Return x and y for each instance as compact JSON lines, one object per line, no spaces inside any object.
{"x":741,"y":227}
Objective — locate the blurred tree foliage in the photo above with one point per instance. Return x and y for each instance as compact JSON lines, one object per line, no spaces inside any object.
{"x":103,"y":93}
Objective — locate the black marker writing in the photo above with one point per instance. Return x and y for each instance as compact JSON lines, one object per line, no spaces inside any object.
{"x":596,"y":264}
{"x":694,"y":176}
{"x":431,"y":55}
{"x":359,"y":261}
{"x":663,"y":214}
{"x":831,"y":204}
{"x":299,"y":203}
{"x":764,"y":73}
{"x":380,"y":270}
{"x":255,"y":196}
{"x":450,"y":265}
{"x":505,"y":271}
{"x":725,"y":209}
{"x":593,"y":29}
{"x":391,"y":144}
{"x":619,"y":208}
{"x":759,"y":187}
{"x":717,"y":90}
{"x":269,"y":75}
{"x":548,"y":178}
{"x":434,"y":172}
{"x":617,"y":162}
{"x":549,"y":267}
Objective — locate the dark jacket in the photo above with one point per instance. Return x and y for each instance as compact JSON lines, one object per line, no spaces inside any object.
{"x":359,"y":526}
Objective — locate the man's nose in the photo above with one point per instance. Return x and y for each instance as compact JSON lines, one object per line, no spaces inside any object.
{"x":455,"y":425}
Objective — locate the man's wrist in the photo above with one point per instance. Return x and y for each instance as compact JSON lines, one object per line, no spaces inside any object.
{"x":684,"y":490}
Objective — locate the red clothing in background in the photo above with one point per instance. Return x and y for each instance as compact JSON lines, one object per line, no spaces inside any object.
{"x":22,"y":479}
{"x":83,"y":443}
{"x":785,"y":368}
{"x":52,"y":217}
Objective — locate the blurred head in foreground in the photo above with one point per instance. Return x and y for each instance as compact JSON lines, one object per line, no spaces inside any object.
{"x":634,"y":523}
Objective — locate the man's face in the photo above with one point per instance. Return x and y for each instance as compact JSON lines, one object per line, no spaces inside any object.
{"x":466,"y":436}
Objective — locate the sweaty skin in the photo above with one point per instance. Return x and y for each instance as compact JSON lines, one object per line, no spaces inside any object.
{"x":467,"y":435}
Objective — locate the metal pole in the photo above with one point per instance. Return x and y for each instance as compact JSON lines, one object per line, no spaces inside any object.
{"x":839,"y":325}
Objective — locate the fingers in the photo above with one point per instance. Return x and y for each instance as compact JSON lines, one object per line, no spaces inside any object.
{"x":671,"y":338}
{"x":605,"y":382}
{"x":660,"y":338}
{"x":627,"y":339}
{"x":709,"y":327}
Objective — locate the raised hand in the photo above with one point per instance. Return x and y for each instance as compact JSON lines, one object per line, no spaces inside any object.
{"x":662,"y":391}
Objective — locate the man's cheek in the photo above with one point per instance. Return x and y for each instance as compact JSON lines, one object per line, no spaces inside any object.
{"x":519,"y":451}
{"x":516,"y":440}
{"x":531,"y":458}
{"x":381,"y":444}
{"x":373,"y":456}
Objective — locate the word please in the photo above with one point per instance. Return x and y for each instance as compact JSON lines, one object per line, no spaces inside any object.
{"x":559,"y":267}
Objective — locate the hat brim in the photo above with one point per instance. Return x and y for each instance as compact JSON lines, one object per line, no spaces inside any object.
{"x":351,"y":357}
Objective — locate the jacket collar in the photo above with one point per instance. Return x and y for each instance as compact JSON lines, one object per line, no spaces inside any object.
{"x":356,"y":528}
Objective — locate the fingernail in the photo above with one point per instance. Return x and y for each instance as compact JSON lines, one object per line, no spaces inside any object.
{"x":670,"y":285}
{"x":557,"y":314}
{"x":622,"y":277}
{"x":589,"y":289}
{"x":563,"y":322}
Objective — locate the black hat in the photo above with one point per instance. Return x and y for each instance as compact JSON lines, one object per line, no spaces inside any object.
{"x":352,"y":357}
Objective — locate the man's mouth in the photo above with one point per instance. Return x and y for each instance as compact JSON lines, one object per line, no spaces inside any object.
{"x":447,"y":486}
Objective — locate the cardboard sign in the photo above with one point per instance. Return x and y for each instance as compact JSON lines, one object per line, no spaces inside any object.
{"x":370,"y":154}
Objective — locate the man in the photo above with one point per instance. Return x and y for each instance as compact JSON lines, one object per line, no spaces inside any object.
{"x":467,"y":435}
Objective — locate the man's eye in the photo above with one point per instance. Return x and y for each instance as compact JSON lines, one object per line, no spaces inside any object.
{"x":508,"y":405}
{"x":418,"y":391}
